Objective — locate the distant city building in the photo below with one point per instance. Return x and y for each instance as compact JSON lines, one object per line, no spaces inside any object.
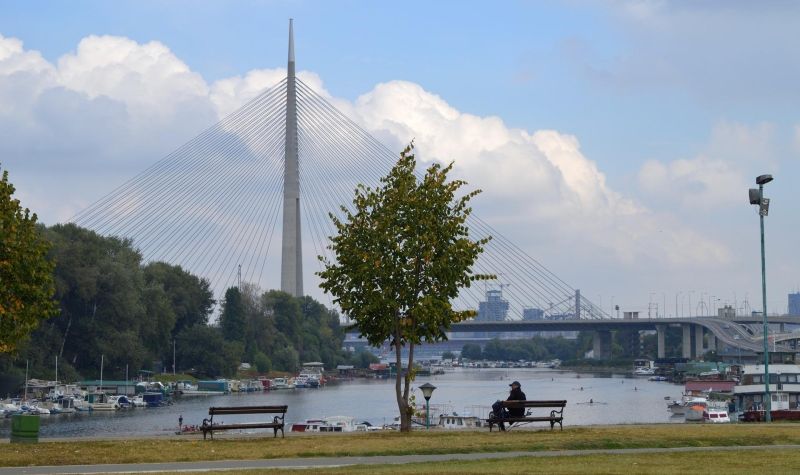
{"x":532,"y":314}
{"x":794,"y":304}
{"x":494,"y":309}
{"x":726,"y":312}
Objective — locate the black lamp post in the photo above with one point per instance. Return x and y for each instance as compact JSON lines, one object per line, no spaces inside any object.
{"x":427,"y":392}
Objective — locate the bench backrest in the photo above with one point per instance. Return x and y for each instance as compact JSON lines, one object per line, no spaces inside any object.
{"x":247,"y":410}
{"x":560,"y":404}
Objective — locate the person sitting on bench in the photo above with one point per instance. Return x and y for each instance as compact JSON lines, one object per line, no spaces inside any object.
{"x":499,"y":412}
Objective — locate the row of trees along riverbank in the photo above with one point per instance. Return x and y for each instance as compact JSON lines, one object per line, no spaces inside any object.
{"x":111,"y":303}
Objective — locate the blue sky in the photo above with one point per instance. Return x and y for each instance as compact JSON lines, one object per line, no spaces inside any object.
{"x":678,"y":104}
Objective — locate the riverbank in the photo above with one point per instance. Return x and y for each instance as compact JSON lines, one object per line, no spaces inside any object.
{"x":184,"y":449}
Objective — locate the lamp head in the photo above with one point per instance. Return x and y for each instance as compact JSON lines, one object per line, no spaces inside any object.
{"x":763,"y":179}
{"x":427,"y":390}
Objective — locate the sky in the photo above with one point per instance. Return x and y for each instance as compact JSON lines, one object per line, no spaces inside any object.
{"x":614,"y":141}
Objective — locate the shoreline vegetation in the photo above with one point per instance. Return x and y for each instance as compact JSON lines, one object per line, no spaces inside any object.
{"x":193,"y":448}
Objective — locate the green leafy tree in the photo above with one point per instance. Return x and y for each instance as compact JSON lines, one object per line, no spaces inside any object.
{"x":26,"y":275}
{"x":363,"y":358}
{"x":472,"y":351}
{"x":203,"y":351}
{"x":233,"y":319}
{"x":401,"y":256}
{"x":263,"y":363}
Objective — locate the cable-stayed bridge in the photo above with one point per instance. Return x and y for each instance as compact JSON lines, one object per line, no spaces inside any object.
{"x":278,"y":165}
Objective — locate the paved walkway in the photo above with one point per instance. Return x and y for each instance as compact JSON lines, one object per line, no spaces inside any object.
{"x":328,"y":462}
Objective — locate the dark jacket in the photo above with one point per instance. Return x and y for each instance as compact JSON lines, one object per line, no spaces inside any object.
{"x":516,"y":395}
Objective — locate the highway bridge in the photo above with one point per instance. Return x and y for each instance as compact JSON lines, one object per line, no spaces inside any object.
{"x":742,"y":333}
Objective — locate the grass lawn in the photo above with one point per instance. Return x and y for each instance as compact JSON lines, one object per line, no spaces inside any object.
{"x":777,"y":461}
{"x":159,"y":449}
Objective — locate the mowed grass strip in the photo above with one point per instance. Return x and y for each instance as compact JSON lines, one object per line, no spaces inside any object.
{"x":159,"y":449}
{"x":777,"y":461}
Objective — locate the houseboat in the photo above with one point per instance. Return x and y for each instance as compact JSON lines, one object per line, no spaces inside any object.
{"x":331,"y":424}
{"x":456,"y":421}
{"x":784,"y":389}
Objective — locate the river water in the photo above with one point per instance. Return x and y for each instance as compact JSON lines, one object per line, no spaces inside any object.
{"x":615,"y":399}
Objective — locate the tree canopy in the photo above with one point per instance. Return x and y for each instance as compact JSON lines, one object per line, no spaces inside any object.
{"x":401,"y":256}
{"x":26,"y":279}
{"x":112,"y":304}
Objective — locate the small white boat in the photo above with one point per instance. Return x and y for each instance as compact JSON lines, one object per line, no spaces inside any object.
{"x":281,"y":383}
{"x":121,"y":401}
{"x":332,"y":424}
{"x":65,"y":405}
{"x":694,"y":412}
{"x":456,"y":421}
{"x":680,"y":407}
{"x":716,"y":416}
{"x":138,"y":401}
{"x":101,"y":402}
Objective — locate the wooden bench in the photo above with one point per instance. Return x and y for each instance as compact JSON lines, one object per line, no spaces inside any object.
{"x":276,"y":424}
{"x":556,"y":413}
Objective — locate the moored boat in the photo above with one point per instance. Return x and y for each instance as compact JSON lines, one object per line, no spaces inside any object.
{"x":281,"y":383}
{"x":456,"y":421}
{"x":784,"y":391}
{"x":716,"y":416}
{"x":694,"y":412}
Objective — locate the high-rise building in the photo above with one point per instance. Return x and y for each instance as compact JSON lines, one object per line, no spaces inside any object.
{"x":494,"y":309}
{"x":794,"y":304}
{"x":532,"y":314}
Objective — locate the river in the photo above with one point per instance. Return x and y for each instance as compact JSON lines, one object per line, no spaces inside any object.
{"x":593,"y":399}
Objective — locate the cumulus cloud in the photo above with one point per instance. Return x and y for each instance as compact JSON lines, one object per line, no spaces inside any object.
{"x":115,"y":106}
{"x":536,"y":183}
{"x":715,"y":177}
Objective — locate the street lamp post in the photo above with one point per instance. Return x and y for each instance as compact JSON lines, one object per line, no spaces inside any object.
{"x":427,"y":392}
{"x":757,"y":198}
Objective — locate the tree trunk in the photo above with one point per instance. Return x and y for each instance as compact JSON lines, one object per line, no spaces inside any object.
{"x":408,"y":380}
{"x":402,"y":402}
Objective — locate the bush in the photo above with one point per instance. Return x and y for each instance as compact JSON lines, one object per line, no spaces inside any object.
{"x":262,"y":362}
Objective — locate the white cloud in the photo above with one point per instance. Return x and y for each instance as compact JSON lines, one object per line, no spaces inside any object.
{"x":115,"y":102}
{"x":533,"y":181}
{"x":716,"y":177}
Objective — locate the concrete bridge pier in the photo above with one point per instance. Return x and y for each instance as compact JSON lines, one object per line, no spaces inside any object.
{"x":687,"y":340}
{"x":698,"y":341}
{"x":661,"y":331}
{"x":712,"y":342}
{"x":601,"y":345}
